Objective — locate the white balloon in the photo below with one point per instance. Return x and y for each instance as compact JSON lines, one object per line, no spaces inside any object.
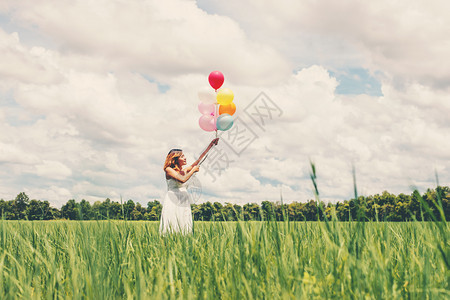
{"x":207,"y":95}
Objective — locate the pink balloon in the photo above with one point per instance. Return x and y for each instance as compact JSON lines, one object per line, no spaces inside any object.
{"x":207,"y":123}
{"x":216,"y":79}
{"x":206,"y":108}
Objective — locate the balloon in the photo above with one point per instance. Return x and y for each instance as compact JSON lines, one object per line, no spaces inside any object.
{"x":225,"y":96}
{"x":207,"y":123}
{"x":207,"y":108}
{"x":224,"y":122}
{"x":227,"y":109}
{"x":216,"y":79}
{"x":207,"y":96}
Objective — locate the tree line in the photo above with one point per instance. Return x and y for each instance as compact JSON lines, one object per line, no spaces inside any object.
{"x":431,"y":205}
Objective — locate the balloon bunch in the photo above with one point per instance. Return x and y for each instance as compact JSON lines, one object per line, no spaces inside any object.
{"x":214,"y":119}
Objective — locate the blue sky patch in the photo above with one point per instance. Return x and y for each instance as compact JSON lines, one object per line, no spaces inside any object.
{"x":356,"y":81}
{"x":264,"y":180}
{"x":28,"y":35}
{"x":162,"y":88}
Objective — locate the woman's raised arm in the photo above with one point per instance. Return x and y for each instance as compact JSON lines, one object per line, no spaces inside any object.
{"x":213,"y":143}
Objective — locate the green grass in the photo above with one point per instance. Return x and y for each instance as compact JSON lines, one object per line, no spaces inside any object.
{"x":229,"y":260}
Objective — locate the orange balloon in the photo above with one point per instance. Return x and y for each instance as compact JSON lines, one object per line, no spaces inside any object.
{"x":227,"y":109}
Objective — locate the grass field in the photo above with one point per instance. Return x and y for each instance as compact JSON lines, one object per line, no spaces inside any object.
{"x":228,"y":260}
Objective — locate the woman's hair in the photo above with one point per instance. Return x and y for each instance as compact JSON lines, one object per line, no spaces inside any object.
{"x":172,"y":159}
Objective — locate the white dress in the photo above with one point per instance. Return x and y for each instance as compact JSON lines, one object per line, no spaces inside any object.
{"x":176,"y":213}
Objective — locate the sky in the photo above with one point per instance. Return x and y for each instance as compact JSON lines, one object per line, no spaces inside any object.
{"x":93,"y":94}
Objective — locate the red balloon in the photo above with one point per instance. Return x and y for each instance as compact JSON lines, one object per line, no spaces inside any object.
{"x":216,"y":79}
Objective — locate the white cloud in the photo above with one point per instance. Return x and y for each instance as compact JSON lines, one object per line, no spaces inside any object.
{"x":162,"y":39}
{"x":407,"y":40}
{"x":93,"y":114}
{"x":22,"y":64}
{"x":53,"y":170}
{"x":10,"y":153}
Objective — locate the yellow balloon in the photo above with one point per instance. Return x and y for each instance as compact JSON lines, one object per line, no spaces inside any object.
{"x":225,"y":96}
{"x":227,"y":109}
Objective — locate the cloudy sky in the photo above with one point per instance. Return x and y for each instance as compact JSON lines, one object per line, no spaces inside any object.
{"x":93,"y":94}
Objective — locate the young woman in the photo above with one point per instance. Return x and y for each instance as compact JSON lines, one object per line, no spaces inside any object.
{"x":176,"y":213}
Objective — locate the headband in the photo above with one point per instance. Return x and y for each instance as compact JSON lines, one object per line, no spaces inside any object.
{"x":174,"y":150}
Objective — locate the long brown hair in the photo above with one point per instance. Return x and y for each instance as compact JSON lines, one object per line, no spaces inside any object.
{"x":172,"y":160}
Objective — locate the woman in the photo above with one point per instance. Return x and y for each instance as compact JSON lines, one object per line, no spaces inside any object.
{"x":176,"y":212}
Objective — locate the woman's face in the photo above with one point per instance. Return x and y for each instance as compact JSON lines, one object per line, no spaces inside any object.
{"x":182,"y":160}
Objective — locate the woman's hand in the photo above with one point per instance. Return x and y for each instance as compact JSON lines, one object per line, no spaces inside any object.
{"x":195,"y":169}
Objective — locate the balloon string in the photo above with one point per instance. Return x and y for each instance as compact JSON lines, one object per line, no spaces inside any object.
{"x":216,"y":105}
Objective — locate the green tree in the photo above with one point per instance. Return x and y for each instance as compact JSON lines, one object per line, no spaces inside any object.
{"x":116,"y":211}
{"x":416,"y":205}
{"x":155,"y":212}
{"x":136,"y":215}
{"x":218,"y":212}
{"x":138,"y":212}
{"x":370,"y":212}
{"x":238,"y":211}
{"x":251,"y":211}
{"x":353,"y":208}
{"x":150,"y":204}
{"x":38,"y":210}
{"x":105,"y":209}
{"x":7,"y":210}
{"x":128,"y":207}
{"x":207,"y":211}
{"x":445,"y":198}
{"x":330,"y":211}
{"x":310,"y":211}
{"x":387,"y":211}
{"x":267,"y":210}
{"x":54,"y":213}
{"x":86,"y":211}
{"x":20,"y":205}
{"x":281,"y":212}
{"x":401,"y":211}
{"x":229,"y":212}
{"x":361,"y":208}
{"x":295,"y":211}
{"x":96,"y":210}
{"x":70,"y":210}
{"x":140,"y":208}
